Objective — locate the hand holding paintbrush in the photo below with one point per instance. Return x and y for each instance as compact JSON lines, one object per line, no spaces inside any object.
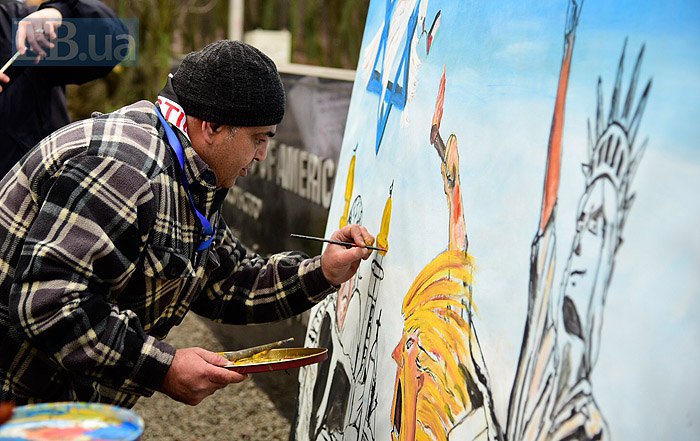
{"x":340,"y":263}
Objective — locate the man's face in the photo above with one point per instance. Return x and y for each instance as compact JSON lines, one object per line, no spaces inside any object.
{"x":234,"y":150}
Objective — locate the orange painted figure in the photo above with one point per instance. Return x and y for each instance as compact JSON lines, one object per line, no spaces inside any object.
{"x":441,"y":379}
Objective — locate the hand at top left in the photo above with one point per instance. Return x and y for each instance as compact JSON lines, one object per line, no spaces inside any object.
{"x":3,"y":79}
{"x":339,"y":263}
{"x":37,"y":31}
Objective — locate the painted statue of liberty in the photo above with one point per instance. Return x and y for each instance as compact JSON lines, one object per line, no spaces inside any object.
{"x":533,"y":380}
{"x":552,"y":397}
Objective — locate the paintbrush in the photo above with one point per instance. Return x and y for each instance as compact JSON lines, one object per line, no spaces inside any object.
{"x":9,"y":62}
{"x":337,"y":242}
{"x":248,"y":352}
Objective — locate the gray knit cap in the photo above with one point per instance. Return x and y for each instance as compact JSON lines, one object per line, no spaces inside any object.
{"x":232,"y":83}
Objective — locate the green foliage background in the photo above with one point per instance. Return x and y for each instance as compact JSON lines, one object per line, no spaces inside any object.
{"x":324,"y":33}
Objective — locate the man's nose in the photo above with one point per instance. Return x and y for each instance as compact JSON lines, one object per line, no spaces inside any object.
{"x":261,"y":153}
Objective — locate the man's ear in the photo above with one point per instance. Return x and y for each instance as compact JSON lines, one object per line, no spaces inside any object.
{"x":210,"y":130}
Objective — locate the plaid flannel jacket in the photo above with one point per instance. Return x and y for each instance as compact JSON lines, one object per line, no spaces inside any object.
{"x":99,"y":260}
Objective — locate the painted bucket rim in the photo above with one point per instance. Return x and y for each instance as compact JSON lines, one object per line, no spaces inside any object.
{"x":31,"y":412}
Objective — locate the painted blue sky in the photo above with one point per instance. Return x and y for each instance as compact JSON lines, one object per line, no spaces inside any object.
{"x":502,"y":62}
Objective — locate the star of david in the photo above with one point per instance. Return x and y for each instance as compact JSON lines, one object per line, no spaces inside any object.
{"x":393,"y":92}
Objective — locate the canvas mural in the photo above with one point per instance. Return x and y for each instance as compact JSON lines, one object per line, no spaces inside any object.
{"x":530,"y":170}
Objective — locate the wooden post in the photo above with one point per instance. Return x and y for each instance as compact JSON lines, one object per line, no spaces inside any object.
{"x":235,"y":20}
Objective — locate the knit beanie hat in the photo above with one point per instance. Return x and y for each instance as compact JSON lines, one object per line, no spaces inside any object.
{"x":232,"y":83}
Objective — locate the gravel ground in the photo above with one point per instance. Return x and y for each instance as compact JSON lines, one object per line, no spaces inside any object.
{"x":260,"y":408}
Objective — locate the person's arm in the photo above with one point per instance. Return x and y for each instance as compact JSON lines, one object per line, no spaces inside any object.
{"x":104,"y":28}
{"x":8,"y":12}
{"x":247,"y":288}
{"x":69,"y":8}
{"x":92,"y":224}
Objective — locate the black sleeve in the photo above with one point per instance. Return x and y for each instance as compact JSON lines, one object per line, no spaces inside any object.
{"x":80,"y":8}
{"x":68,"y":9}
{"x":8,"y":13}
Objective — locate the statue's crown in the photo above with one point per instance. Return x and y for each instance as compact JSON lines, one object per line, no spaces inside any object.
{"x":612,"y":153}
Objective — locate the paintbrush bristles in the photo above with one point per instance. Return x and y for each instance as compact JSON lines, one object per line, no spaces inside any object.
{"x":243,"y":353}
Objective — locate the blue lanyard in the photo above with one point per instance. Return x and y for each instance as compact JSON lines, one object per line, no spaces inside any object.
{"x":179,"y":152}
